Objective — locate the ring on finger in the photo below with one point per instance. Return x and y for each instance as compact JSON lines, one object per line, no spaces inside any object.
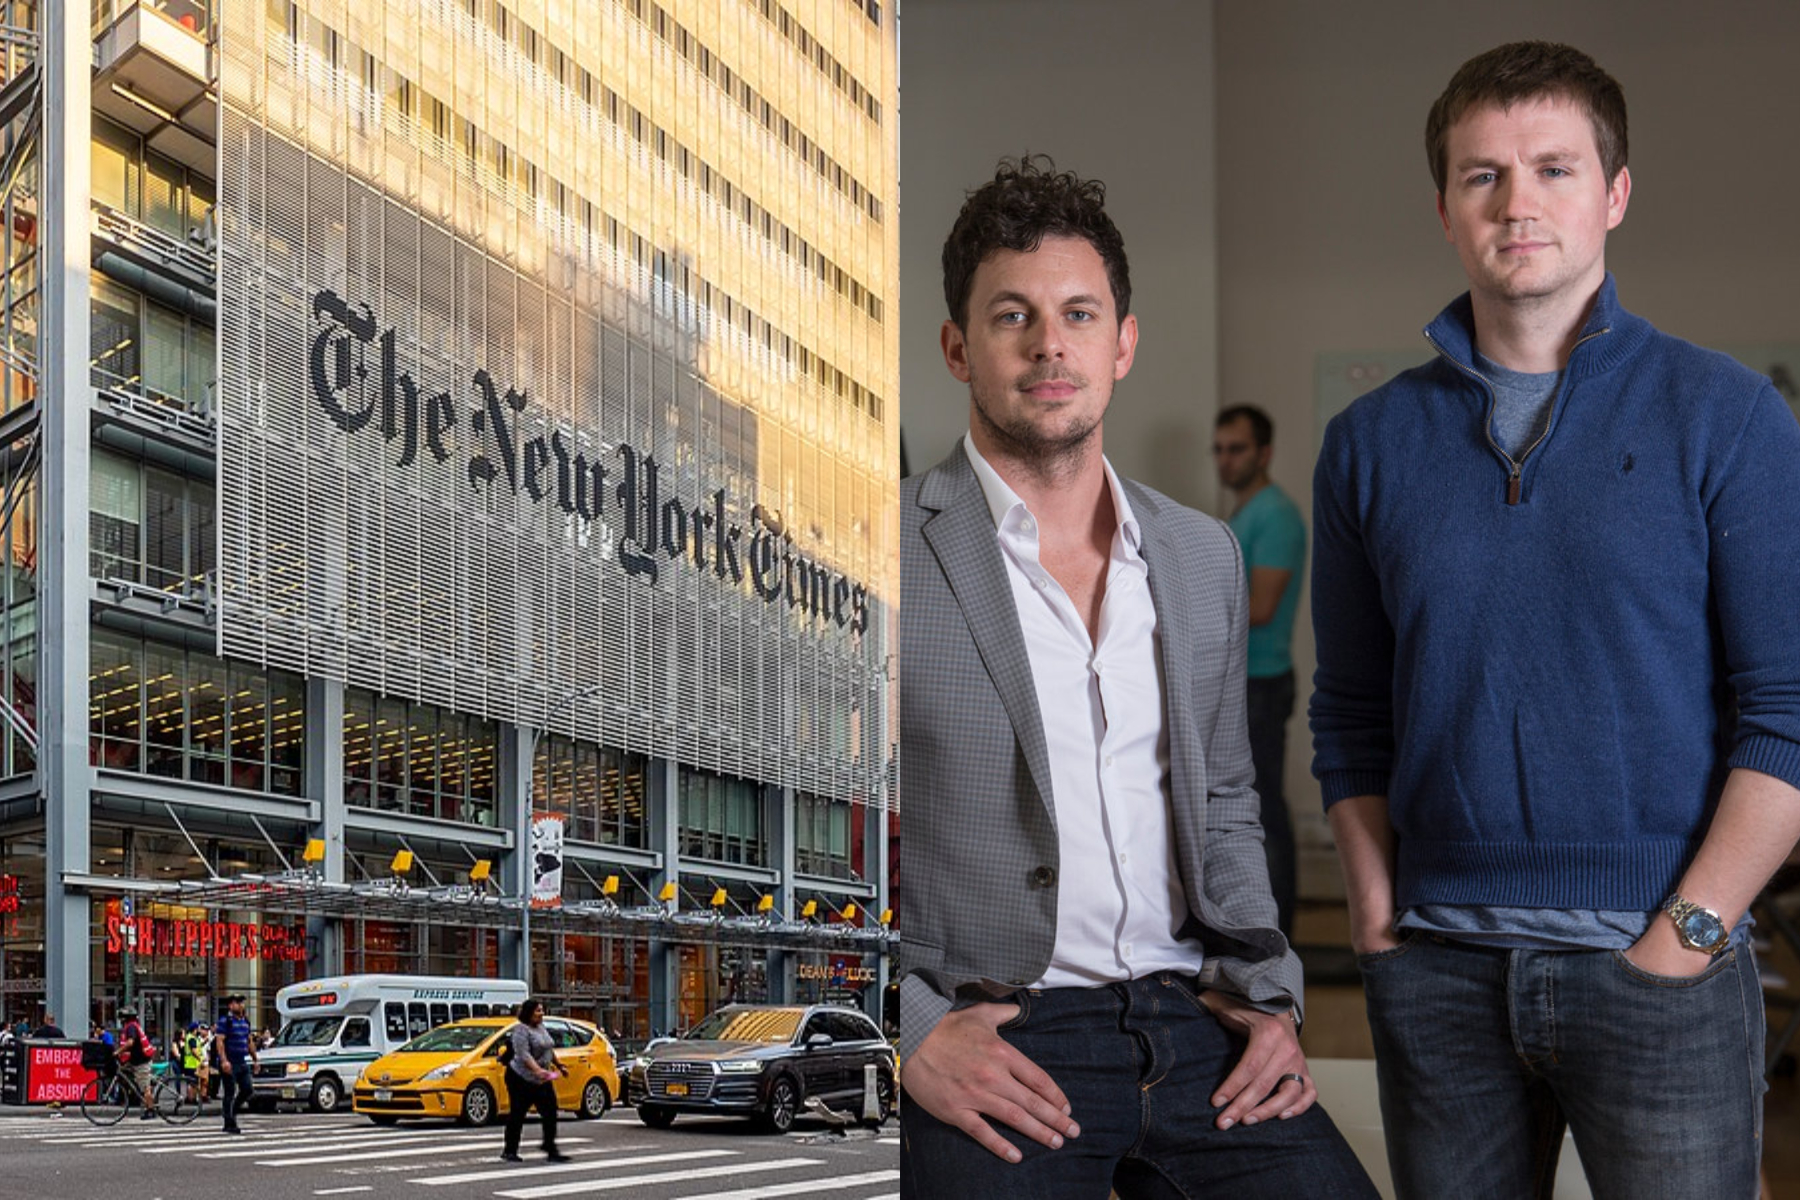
{"x":1299,"y":1079}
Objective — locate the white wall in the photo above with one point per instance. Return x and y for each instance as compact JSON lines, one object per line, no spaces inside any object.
{"x":1120,"y":91}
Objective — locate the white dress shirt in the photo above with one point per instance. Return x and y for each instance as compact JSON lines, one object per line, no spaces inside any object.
{"x":1119,"y":896}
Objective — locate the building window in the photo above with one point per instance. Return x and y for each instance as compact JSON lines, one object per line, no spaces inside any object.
{"x":150,"y":526}
{"x":721,"y":818}
{"x":144,"y":185}
{"x":418,"y":759}
{"x":598,"y":791}
{"x":143,"y":349}
{"x":161,"y":710}
{"x":822,"y":836}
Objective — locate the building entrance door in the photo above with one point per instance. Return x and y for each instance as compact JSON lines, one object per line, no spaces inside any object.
{"x":165,"y":1013}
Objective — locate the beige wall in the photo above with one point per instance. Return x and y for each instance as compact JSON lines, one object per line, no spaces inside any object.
{"x":1328,"y":239}
{"x":1120,"y":91}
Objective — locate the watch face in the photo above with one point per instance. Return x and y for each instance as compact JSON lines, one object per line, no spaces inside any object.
{"x":1702,"y":930}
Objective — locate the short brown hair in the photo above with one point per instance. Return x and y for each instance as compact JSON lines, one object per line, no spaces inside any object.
{"x":1523,"y":71}
{"x":1026,"y":201}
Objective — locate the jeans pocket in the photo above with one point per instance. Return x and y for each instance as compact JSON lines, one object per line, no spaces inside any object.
{"x":1018,"y":1019}
{"x":1380,"y":956}
{"x":1638,"y":975}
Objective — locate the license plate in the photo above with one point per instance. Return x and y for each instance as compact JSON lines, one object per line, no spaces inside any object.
{"x":287,"y":1093}
{"x":678,"y":1089}
{"x":383,"y":1095}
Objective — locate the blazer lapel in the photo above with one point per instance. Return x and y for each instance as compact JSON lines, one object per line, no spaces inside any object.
{"x":962,"y":537}
{"x":1175,"y":633}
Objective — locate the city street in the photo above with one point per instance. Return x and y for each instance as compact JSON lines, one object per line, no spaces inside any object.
{"x":296,"y":1156}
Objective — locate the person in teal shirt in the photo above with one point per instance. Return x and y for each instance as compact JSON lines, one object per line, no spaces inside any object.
{"x":1273,"y":538}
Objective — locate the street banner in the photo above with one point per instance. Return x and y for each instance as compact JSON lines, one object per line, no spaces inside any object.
{"x":546,"y":862}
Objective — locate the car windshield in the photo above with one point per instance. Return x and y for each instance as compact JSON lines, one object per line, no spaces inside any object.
{"x":449,"y":1038}
{"x":309,"y":1031}
{"x":748,"y":1025}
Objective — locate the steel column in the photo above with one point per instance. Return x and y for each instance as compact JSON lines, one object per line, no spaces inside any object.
{"x":66,"y":57}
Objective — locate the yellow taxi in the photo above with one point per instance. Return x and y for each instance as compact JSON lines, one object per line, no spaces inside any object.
{"x":455,"y":1071}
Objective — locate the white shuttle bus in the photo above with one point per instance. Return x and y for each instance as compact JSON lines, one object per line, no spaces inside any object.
{"x":331,"y":1028}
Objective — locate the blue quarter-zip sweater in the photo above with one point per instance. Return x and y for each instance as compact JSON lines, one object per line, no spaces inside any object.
{"x":1533,"y":660}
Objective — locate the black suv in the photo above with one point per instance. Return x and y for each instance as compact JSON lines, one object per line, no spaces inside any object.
{"x":763,"y":1061}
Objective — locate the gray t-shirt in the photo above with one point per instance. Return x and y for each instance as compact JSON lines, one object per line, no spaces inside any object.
{"x":535,"y":1043}
{"x":1523,"y":402}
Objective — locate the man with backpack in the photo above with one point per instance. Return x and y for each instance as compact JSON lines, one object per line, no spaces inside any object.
{"x":237,"y":1057}
{"x":135,"y":1054}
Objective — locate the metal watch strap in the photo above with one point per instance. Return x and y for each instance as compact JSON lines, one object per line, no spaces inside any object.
{"x":1680,"y":908}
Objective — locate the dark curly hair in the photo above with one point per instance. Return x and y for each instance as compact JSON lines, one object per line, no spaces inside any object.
{"x":1025,"y":202}
{"x":1519,"y":72}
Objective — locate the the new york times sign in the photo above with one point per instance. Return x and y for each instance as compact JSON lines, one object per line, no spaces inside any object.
{"x":355,"y":376}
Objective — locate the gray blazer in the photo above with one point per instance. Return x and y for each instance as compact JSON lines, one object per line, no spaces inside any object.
{"x":978,"y":850}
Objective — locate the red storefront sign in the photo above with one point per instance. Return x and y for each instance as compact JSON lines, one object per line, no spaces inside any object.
{"x":9,"y":894}
{"x":205,"y":939}
{"x":54,"y":1073}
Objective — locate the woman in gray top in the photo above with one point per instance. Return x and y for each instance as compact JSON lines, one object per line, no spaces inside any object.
{"x":531,"y":1080}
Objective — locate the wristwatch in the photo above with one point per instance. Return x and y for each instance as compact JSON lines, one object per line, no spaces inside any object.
{"x":1699,"y":928}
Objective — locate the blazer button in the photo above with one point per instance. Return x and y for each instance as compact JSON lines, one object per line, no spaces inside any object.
{"x":1043,"y":876}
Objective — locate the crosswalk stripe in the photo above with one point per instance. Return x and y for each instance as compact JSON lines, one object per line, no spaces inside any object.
{"x":383,"y":1141}
{"x":269,"y":1142}
{"x":627,"y":1181}
{"x":184,"y":1137}
{"x":801,"y":1187}
{"x":340,"y":1142}
{"x":319,"y":1159}
{"x":512,"y":1172}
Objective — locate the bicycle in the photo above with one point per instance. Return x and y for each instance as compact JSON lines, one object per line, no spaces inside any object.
{"x":110,"y":1095}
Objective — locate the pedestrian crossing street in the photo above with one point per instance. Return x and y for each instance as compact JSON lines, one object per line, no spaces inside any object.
{"x":347,"y":1156}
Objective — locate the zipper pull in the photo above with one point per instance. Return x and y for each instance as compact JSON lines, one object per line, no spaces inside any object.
{"x":1512,"y":485}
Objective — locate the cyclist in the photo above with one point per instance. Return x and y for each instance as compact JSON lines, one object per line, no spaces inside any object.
{"x":135,"y":1054}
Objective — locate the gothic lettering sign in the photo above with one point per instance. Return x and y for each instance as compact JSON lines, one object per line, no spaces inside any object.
{"x":354,"y":371}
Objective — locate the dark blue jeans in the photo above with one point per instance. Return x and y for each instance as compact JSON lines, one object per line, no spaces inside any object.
{"x":238,"y":1088}
{"x":1269,"y":703}
{"x":1139,"y":1062}
{"x":1486,"y":1055}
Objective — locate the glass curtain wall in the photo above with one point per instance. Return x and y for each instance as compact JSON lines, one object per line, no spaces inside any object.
{"x":163,"y":710}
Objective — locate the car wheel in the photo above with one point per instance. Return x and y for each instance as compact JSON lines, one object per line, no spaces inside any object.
{"x":478,"y":1105}
{"x":782,"y":1107}
{"x":596,"y":1098}
{"x":327,"y":1094}
{"x":656,"y":1116}
{"x":383,"y":1120}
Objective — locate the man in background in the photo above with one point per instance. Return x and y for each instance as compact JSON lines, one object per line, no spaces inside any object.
{"x":1273,"y":540}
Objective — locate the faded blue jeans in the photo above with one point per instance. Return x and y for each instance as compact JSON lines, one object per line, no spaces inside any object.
{"x":1139,"y":1062}
{"x":1486,"y":1055}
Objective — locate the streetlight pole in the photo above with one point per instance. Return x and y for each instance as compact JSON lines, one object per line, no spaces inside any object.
{"x":522,"y":828}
